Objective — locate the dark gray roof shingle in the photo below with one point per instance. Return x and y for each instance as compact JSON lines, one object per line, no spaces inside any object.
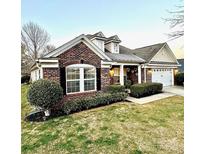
{"x":124,"y":50}
{"x":124,"y":57}
{"x":98,"y":34}
{"x":148,"y":52}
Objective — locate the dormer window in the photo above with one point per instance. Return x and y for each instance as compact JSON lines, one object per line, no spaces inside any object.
{"x":116,"y":47}
{"x":112,"y":44}
{"x":99,"y":40}
{"x":99,"y":44}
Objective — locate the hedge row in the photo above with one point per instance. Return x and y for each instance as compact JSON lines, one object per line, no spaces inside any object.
{"x":128,"y":84}
{"x":91,"y":102}
{"x":145,"y":89}
{"x":115,"y":88}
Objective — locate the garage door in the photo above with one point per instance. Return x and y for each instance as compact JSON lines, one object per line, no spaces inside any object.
{"x":163,"y":76}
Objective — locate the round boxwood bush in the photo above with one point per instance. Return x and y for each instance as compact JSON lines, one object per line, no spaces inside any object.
{"x":44,"y":93}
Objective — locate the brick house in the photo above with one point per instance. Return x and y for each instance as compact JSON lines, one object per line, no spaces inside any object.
{"x":89,"y":63}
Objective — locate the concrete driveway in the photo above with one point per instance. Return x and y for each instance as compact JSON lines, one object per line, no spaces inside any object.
{"x":178,"y":90}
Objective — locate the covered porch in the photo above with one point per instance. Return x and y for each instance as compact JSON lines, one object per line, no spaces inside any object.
{"x":121,"y":73}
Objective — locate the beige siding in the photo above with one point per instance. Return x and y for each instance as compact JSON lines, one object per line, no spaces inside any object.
{"x":112,"y":47}
{"x":99,"y":44}
{"x":164,"y":55}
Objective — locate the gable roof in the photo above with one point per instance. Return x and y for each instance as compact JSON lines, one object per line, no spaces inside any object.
{"x":73,"y":42}
{"x":98,"y":35}
{"x":140,"y":55}
{"x":114,"y":38}
{"x":148,"y":52}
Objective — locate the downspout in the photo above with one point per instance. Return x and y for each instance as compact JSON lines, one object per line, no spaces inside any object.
{"x":39,"y":67}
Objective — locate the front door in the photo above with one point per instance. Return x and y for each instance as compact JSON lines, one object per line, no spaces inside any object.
{"x":132,"y":75}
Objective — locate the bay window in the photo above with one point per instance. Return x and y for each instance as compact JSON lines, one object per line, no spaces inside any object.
{"x":80,"y":78}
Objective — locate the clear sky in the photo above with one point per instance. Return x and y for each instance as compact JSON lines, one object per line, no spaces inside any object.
{"x":136,"y":22}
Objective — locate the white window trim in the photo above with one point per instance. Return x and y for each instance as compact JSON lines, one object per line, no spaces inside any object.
{"x":82,"y":79}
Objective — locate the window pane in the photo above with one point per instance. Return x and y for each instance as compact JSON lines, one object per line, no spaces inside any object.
{"x":73,"y":86}
{"x":73,"y":73}
{"x":89,"y":73}
{"x":89,"y":85}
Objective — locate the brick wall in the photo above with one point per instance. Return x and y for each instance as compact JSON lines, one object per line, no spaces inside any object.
{"x":51,"y":74}
{"x":80,"y":53}
{"x":78,"y":95}
{"x":105,"y":78}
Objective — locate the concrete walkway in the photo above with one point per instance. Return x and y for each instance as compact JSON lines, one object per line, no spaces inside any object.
{"x":151,"y":98}
{"x":175,"y":90}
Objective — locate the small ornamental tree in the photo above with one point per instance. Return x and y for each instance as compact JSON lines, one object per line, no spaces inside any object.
{"x":44,"y":94}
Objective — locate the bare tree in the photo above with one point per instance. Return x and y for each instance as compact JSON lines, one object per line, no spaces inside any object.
{"x":48,"y":48}
{"x":26,"y":61}
{"x":34,"y":38}
{"x":176,"y":21}
{"x":34,"y":41}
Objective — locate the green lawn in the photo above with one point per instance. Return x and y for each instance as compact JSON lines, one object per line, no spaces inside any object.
{"x":123,"y":127}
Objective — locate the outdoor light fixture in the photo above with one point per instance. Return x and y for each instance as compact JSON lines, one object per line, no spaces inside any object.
{"x":149,"y":71}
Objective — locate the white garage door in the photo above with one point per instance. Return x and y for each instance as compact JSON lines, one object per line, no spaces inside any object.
{"x":163,"y":76}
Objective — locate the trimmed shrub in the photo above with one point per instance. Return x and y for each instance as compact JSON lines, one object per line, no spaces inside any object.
{"x":179,"y":79}
{"x":25,"y":79}
{"x":90,"y":102}
{"x":115,"y":88}
{"x":44,"y":93}
{"x":145,"y":89}
{"x":128,"y":84}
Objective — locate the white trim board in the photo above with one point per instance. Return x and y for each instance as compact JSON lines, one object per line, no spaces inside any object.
{"x":160,"y":66}
{"x":117,"y":63}
{"x":49,"y":65}
{"x":47,"y":60}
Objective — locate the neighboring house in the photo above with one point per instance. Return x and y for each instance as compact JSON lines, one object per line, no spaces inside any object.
{"x":181,"y":68}
{"x":89,"y":63}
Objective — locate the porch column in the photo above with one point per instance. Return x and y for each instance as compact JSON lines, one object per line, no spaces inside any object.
{"x":172,"y":77}
{"x":139,"y":74}
{"x":145,"y":75}
{"x":121,"y":74}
